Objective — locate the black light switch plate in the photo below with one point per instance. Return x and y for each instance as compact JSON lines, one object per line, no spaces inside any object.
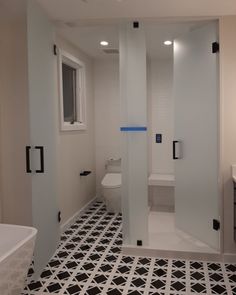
{"x":158,"y":138}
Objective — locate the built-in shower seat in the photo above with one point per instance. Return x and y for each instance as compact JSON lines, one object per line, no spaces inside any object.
{"x":155,"y":179}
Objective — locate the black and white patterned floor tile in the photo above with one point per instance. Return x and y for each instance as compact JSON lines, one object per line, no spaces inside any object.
{"x":88,"y":261}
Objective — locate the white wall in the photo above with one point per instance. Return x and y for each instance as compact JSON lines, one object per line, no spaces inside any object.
{"x":76,"y":149}
{"x":228,"y":123}
{"x":107,"y":115}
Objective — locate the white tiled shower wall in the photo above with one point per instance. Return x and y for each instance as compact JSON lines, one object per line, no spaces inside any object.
{"x":161,"y":121}
{"x":161,"y":115}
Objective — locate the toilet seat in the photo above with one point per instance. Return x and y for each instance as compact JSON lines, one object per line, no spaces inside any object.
{"x":112,"y":180}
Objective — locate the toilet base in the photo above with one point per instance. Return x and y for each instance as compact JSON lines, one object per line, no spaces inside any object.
{"x":112,"y":198}
{"x":111,"y":191}
{"x":114,"y":206}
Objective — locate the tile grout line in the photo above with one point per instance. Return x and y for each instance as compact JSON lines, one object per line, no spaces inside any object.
{"x":127,"y":285}
{"x":112,"y":273}
{"x":226,"y":280}
{"x":90,"y":251}
{"x":207,"y":279}
{"x":149,"y":276}
{"x":187,"y":277}
{"x":102,"y":257}
{"x":48,"y":281}
{"x":168,"y":277}
{"x":80,"y":226}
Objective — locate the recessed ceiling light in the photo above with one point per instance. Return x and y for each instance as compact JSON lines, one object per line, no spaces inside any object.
{"x":104,"y":43}
{"x":168,"y":42}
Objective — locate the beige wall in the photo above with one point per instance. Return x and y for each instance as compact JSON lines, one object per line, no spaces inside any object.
{"x":107,"y":115}
{"x":228,"y":122}
{"x":76,"y":149}
{"x":15,"y":186}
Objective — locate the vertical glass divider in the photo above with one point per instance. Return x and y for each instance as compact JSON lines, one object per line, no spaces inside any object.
{"x":133,"y":96}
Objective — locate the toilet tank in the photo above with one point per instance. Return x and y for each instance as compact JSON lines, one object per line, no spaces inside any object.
{"x":113,"y":165}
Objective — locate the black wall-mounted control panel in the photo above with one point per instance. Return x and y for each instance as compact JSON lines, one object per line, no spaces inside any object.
{"x":158,"y":138}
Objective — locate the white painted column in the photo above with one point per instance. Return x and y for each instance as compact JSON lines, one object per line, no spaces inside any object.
{"x":133,"y":95}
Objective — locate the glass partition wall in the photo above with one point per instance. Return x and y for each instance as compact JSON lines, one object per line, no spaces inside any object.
{"x":189,"y":176}
{"x":133,"y":95}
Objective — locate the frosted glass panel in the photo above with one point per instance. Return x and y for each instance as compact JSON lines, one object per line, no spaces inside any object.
{"x":196,"y":122}
{"x":43,"y":128}
{"x":134,"y":142}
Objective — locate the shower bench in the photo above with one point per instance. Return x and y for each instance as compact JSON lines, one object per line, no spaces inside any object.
{"x":155,"y":179}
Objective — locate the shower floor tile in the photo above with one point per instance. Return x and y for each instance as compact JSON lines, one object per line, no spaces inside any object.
{"x":88,"y":261}
{"x":164,"y":235}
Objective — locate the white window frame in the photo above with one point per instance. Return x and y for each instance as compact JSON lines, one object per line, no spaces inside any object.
{"x":80,"y":123}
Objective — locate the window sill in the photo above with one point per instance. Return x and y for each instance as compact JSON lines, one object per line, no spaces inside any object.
{"x":73,"y":127}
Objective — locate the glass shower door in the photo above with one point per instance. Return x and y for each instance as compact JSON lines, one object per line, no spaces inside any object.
{"x":196,"y":133}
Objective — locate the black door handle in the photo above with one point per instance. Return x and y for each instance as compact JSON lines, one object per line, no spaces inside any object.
{"x":27,"y":150}
{"x":174,"y":150}
{"x":41,"y":149}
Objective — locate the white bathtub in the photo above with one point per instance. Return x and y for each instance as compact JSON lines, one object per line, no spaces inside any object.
{"x":16,"y":251}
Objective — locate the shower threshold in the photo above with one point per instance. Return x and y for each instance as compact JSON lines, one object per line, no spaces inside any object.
{"x":165,"y":240}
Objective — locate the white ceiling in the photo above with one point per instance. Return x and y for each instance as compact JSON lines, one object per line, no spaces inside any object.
{"x":86,"y":22}
{"x":88,"y":37}
{"x":70,"y":10}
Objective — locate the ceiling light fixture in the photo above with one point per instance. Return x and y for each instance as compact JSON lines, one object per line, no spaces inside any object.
{"x":168,"y":42}
{"x":104,"y":43}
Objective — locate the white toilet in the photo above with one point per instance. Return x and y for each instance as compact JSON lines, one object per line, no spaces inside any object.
{"x":111,"y":186}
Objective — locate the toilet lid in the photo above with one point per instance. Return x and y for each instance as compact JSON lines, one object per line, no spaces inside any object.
{"x":112,"y":180}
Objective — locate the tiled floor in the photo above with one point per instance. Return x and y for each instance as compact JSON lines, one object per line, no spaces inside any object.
{"x":88,"y":261}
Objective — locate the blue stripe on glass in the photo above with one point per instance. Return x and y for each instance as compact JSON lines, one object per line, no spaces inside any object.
{"x":130,"y":129}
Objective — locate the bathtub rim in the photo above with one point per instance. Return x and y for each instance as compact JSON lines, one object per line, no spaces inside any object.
{"x":20,"y":243}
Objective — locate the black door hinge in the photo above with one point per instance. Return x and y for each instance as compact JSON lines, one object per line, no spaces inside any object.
{"x":55,"y":49}
{"x":216,"y":224}
{"x":215,"y":47}
{"x":139,"y":242}
{"x":135,"y":25}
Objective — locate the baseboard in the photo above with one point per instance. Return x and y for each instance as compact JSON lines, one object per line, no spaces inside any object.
{"x":163,"y":208}
{"x":73,"y":218}
{"x":229,"y":258}
{"x":148,"y":252}
{"x":142,"y":251}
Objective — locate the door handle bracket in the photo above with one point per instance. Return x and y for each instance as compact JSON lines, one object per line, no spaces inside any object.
{"x":174,"y":150}
{"x":27,"y":150}
{"x":41,"y":149}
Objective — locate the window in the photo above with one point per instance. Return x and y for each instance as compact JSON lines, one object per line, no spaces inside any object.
{"x":72,"y":92}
